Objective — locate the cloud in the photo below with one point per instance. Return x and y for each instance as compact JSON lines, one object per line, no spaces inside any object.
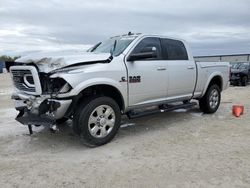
{"x":210,"y":26}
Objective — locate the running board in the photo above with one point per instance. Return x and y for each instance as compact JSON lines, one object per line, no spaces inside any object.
{"x":162,"y":108}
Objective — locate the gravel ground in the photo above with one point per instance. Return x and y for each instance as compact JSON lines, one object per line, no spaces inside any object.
{"x":184,"y":148}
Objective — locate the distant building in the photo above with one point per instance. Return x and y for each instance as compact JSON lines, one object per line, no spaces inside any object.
{"x":2,"y":65}
{"x":228,"y":58}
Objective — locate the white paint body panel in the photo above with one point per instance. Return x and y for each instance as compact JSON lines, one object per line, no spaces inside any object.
{"x":176,"y":83}
{"x":153,"y":85}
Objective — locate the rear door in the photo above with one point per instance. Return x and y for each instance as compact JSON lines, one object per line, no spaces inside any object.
{"x":181,"y":70}
{"x":147,"y":78}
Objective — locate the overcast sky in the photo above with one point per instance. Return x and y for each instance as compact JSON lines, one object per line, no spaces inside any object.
{"x":210,"y":26}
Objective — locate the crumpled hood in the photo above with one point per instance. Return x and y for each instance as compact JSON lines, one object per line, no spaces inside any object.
{"x":49,"y":61}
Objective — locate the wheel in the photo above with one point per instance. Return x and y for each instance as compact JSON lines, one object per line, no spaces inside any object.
{"x":97,"y":120}
{"x":61,"y":121}
{"x":244,"y":81}
{"x":210,"y":102}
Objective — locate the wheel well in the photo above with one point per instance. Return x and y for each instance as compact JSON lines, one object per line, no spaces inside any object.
{"x":104,"y":90}
{"x":216,"y":80}
{"x":244,"y":75}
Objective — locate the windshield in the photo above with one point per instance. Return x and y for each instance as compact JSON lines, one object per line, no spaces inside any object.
{"x":107,"y":46}
{"x":235,"y":65}
{"x":243,"y":66}
{"x":240,"y":66}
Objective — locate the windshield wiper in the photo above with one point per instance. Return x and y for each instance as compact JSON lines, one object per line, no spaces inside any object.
{"x":112,"y":50}
{"x":94,"y":47}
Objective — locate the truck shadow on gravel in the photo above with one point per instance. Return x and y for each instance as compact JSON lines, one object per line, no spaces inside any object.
{"x":65,"y":138}
{"x":156,"y":122}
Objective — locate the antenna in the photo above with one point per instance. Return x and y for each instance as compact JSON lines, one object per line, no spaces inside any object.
{"x":130,"y":33}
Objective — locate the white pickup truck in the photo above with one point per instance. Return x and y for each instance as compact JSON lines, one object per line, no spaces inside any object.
{"x":121,"y":75}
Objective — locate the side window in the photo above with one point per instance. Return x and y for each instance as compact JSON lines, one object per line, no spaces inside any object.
{"x":174,"y":50}
{"x":149,"y":42}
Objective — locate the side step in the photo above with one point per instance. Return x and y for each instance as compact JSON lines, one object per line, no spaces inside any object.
{"x":162,"y":108}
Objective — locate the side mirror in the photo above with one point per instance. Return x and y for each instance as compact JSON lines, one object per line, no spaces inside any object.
{"x":146,"y":53}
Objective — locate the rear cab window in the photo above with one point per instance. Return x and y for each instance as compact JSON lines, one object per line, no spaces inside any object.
{"x":173,"y":50}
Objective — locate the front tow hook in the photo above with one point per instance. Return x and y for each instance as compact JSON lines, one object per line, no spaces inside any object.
{"x":30,"y":129}
{"x":54,"y":128}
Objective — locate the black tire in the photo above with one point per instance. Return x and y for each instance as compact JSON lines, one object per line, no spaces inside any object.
{"x":86,"y":110}
{"x":205,"y":102}
{"x":77,"y":111}
{"x":244,"y":81}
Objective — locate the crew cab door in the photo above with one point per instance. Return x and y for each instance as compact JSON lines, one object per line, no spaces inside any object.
{"x":182,"y":71}
{"x":147,"y":77}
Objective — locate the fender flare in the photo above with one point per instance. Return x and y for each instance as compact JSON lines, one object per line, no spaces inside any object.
{"x":213,"y":75}
{"x":100,"y":81}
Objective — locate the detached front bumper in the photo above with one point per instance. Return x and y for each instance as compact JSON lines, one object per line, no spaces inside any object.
{"x":39,"y":110}
{"x":27,"y":118}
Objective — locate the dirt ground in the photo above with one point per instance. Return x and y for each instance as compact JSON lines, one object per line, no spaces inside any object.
{"x":184,"y":148}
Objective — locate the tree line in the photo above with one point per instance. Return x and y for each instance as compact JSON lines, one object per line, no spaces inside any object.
{"x":8,"y":58}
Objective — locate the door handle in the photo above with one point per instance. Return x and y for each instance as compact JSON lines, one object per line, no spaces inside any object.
{"x":161,"y":68}
{"x":190,"y":67}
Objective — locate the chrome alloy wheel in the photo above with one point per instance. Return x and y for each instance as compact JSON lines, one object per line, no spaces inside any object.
{"x":214,"y":98}
{"x":101,"y":121}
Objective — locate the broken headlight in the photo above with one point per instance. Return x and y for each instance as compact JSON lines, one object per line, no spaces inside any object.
{"x":55,"y":85}
{"x":59,"y":85}
{"x":66,"y":88}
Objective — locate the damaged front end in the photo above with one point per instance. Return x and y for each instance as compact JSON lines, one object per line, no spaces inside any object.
{"x":36,"y":96}
{"x":43,"y":95}
{"x":39,"y":110}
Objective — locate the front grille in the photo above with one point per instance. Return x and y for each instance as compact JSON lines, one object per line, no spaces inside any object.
{"x":18,"y":78}
{"x":26,"y":79}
